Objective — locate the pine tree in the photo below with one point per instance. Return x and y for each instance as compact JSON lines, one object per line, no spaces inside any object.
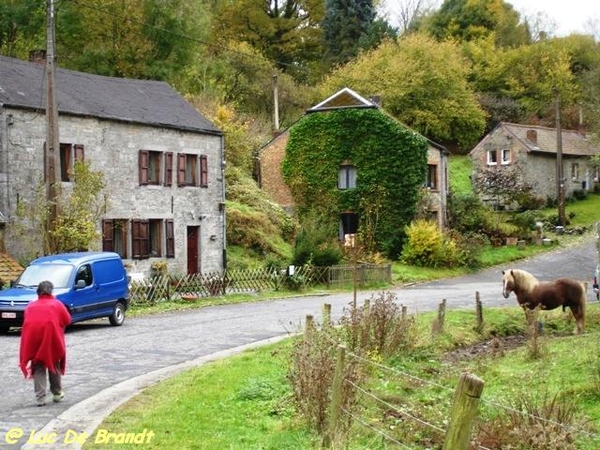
{"x":346,"y":23}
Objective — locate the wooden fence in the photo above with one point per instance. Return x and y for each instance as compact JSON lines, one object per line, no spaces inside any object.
{"x":194,"y":286}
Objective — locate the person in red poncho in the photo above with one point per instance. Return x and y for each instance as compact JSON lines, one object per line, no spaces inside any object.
{"x":43,"y":351}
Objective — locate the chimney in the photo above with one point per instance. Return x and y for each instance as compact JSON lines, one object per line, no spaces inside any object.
{"x":376,"y":99}
{"x":532,"y":136}
{"x":37,"y":56}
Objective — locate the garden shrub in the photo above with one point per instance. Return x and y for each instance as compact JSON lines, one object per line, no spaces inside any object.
{"x":580,"y":194}
{"x":314,"y":244}
{"x":427,"y":246}
{"x":467,"y":214}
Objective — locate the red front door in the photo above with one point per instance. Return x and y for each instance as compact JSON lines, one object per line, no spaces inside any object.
{"x":192,"y":249}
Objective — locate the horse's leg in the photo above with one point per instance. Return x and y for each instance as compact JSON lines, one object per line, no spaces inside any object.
{"x":578,"y":310}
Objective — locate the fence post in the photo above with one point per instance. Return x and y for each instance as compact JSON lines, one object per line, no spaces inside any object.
{"x":308,"y":326}
{"x":464,"y":412}
{"x":326,"y":314}
{"x":336,"y":395}
{"x":479,"y":310}
{"x":404,"y":312}
{"x":441,"y":316}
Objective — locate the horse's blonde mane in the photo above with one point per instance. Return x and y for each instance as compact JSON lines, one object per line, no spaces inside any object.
{"x":524,"y":279}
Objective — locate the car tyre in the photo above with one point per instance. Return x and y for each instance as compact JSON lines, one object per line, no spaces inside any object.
{"x":118,"y":316}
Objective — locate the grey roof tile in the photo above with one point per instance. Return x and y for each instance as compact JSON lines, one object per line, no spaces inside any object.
{"x":22,"y":84}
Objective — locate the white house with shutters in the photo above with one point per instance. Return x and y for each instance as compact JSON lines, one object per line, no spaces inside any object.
{"x":162,"y":163}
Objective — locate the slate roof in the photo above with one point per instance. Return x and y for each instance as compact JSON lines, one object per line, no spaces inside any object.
{"x":22,"y":85}
{"x":574,"y":142}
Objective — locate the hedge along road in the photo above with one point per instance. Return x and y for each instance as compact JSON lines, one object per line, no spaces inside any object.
{"x":108,"y":365}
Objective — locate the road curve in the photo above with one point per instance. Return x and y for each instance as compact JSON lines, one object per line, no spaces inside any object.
{"x":108,"y":365}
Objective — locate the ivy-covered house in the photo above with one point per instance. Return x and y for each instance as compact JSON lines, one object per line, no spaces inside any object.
{"x":356,"y":167}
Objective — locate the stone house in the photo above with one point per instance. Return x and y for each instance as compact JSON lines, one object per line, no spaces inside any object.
{"x":533,"y":150}
{"x":162,"y":163}
{"x":271,"y":156}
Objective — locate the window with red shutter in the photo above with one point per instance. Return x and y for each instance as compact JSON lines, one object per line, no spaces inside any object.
{"x":203,"y":171}
{"x":114,"y":236}
{"x":168,"y":168}
{"x":79,"y":153}
{"x":107,"y":235}
{"x":140,"y":239}
{"x":170,"y":237}
{"x":181,"y":163}
{"x":143,"y":167}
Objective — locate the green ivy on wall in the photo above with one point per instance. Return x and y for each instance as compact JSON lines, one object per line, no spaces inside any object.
{"x":390,"y":161}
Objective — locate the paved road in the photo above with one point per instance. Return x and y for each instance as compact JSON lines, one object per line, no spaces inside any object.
{"x":108,"y":365}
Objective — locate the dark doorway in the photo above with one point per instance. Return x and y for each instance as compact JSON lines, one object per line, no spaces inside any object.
{"x":192,"y":249}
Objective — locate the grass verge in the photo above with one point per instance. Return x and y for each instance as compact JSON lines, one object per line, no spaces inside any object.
{"x":244,"y":402}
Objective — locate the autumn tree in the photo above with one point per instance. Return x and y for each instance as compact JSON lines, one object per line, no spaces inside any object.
{"x":422,"y":83}
{"x":504,"y":185}
{"x":21,"y":27}
{"x":149,"y":39}
{"x":80,"y":208}
{"x":287,"y":32}
{"x":467,"y":20}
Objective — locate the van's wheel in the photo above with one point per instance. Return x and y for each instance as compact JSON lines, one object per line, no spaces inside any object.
{"x":118,"y":317}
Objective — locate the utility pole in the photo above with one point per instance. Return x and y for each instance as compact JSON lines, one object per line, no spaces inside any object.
{"x":560,"y":179}
{"x":52,"y":141}
{"x":275,"y":103}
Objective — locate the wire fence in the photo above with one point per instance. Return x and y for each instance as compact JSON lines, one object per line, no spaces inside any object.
{"x":407,"y":425}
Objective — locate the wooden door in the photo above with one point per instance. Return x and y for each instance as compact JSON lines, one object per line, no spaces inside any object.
{"x":192,"y":249}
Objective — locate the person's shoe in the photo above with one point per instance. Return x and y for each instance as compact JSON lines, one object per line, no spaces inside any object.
{"x":58,"y":397}
{"x":41,"y":402}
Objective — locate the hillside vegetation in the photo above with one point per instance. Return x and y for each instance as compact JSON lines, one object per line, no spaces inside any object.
{"x":450,"y":73}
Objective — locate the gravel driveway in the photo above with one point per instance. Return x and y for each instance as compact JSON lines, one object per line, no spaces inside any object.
{"x":108,"y":365}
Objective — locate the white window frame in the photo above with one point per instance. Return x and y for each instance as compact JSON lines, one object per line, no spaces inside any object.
{"x":492,"y":157}
{"x":505,"y":156}
{"x":347,"y":177}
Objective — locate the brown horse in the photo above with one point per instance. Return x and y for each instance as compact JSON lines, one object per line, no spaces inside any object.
{"x":532,"y":293}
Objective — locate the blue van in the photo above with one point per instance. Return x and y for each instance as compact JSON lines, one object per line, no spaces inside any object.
{"x":90,"y":284}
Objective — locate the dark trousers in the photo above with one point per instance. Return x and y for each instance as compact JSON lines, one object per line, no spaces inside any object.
{"x":39,"y":380}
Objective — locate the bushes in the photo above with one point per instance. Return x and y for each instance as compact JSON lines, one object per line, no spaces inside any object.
{"x":428,"y":246}
{"x":315,"y":246}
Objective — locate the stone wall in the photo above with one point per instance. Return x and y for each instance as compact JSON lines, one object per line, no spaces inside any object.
{"x":113,"y":148}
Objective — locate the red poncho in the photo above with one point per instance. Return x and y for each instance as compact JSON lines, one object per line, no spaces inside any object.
{"x":42,"y":336}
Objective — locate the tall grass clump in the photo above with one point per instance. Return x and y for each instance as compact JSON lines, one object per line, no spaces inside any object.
{"x":533,"y":422}
{"x":370,"y":332}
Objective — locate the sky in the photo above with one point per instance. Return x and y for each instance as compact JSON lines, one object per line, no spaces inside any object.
{"x":569,"y":16}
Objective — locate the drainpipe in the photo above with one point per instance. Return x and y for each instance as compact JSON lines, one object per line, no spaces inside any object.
{"x":222,"y":203}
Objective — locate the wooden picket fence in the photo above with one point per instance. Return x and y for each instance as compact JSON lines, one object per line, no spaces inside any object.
{"x":199,"y":285}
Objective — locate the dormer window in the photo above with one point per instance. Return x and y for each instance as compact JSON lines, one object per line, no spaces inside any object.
{"x":492,"y":157}
{"x":347,"y":176}
{"x":505,"y":152}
